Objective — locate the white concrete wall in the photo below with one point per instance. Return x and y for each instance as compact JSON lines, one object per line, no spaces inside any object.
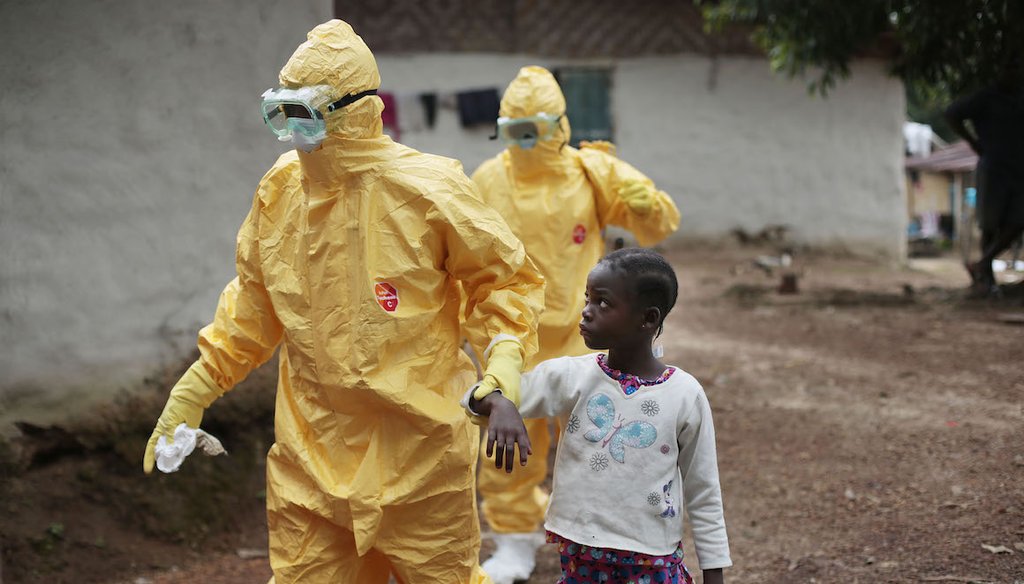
{"x":752,"y":148}
{"x":735,"y":145}
{"x":131,"y":147}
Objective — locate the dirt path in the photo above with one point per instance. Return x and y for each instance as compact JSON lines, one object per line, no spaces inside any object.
{"x":870,"y":428}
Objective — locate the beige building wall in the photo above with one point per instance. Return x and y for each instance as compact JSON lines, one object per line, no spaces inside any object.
{"x":131,"y":148}
{"x":735,"y":145}
{"x":929,"y":193}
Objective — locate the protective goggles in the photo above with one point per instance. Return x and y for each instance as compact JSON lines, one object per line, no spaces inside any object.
{"x":301,"y":111}
{"x":526,"y":132}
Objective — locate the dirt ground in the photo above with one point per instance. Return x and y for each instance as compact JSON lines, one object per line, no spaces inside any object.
{"x":870,"y":429}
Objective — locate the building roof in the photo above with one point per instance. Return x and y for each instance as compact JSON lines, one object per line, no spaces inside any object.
{"x":553,"y":28}
{"x":956,"y":157}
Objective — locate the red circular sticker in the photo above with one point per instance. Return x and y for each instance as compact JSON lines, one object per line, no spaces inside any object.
{"x":387,"y":296}
{"x":579,"y":233}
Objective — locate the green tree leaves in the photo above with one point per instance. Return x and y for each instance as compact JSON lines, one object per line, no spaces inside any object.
{"x":943,"y":45}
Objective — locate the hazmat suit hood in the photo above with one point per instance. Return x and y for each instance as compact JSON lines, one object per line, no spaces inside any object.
{"x":335,"y":55}
{"x":534,"y":91}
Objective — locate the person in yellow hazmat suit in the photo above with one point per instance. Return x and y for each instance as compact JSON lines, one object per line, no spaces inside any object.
{"x":353,"y":260}
{"x":557,"y":199}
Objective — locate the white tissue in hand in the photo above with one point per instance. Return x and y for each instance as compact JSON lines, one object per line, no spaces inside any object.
{"x":169,"y":456}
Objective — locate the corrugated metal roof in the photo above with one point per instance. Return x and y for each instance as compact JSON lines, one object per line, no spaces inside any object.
{"x":553,"y":28}
{"x":957,"y":157}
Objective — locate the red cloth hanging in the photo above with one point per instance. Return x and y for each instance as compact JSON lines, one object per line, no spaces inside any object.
{"x":390,"y":115}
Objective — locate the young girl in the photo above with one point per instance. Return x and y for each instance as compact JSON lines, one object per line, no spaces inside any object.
{"x":638,"y":438}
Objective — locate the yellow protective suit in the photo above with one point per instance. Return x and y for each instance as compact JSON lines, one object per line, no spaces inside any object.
{"x":557,"y":199}
{"x":352,"y":259}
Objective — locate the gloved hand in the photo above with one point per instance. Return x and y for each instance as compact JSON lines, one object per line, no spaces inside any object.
{"x":193,"y":393}
{"x":504,"y":370}
{"x":637,"y":196}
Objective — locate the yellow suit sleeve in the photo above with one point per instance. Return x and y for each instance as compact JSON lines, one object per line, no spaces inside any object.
{"x":245,"y":330}
{"x":243,"y":334}
{"x":621,"y":200}
{"x":503,"y":290}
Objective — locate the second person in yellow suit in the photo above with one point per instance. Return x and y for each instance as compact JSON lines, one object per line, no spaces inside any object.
{"x":353,"y":260}
{"x":557,"y":199}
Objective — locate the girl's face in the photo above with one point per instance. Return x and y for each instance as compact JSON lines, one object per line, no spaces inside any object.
{"x":609,"y":318}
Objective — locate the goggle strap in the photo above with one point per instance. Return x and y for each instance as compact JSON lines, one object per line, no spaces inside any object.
{"x":348,"y":99}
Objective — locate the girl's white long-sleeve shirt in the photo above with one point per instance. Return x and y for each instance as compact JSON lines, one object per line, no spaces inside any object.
{"x":624,"y":461}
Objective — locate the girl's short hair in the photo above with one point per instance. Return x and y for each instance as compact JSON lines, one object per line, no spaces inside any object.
{"x":650,"y":279}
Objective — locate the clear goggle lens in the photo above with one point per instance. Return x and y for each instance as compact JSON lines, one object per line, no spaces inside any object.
{"x":286,"y":118}
{"x":288,"y":111}
{"x":526,"y":132}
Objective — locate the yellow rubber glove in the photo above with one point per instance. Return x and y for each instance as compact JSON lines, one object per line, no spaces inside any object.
{"x":637,"y":196}
{"x":193,"y":393}
{"x":504,"y":371}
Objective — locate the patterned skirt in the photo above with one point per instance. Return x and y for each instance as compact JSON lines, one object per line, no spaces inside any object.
{"x":583,"y":564}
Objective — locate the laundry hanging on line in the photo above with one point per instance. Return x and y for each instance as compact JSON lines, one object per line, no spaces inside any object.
{"x":416,"y":112}
{"x":478,"y":106}
{"x":389,"y":117}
